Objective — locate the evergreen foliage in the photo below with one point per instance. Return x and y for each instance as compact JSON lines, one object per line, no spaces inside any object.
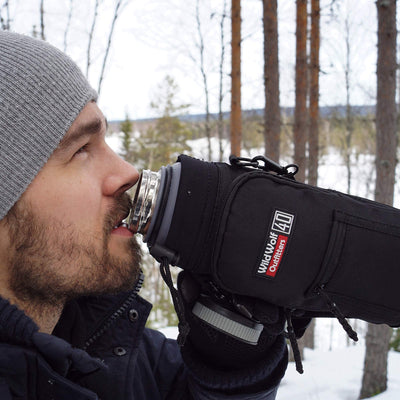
{"x":395,"y":341}
{"x":156,"y":146}
{"x":126,"y":128}
{"x":167,"y":137}
{"x":363,"y":134}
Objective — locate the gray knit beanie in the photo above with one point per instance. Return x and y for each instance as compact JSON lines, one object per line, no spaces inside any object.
{"x":42,"y":91}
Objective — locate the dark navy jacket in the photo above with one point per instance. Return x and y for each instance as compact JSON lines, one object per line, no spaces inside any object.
{"x":101,"y":350}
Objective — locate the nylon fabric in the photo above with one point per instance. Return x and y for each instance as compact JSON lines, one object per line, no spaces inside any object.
{"x":37,"y":366}
{"x":343,"y":244}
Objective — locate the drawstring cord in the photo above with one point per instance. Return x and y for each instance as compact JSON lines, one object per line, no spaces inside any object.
{"x":293,"y":342}
{"x":183,"y":325}
{"x":335,"y":310}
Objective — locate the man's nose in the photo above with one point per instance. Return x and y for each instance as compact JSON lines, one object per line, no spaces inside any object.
{"x":121,"y":177}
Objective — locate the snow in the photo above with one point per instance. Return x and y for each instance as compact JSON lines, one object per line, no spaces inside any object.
{"x":335,"y":375}
{"x":330,"y":375}
{"x":170,"y":332}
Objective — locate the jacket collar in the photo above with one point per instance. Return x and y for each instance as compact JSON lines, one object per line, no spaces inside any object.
{"x":16,"y":328}
{"x":78,"y":322}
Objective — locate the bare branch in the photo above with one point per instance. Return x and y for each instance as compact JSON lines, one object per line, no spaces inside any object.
{"x":42,"y":35}
{"x":5,"y":23}
{"x":205,"y":82}
{"x":118,"y":6}
{"x":71,"y":2}
{"x":88,"y":60}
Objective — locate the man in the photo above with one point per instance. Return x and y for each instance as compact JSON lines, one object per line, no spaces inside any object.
{"x":71,"y":322}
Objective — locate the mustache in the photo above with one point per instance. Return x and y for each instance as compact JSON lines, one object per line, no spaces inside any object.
{"x":120,"y":209}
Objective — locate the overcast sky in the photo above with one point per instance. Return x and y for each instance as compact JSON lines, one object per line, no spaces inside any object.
{"x":154,"y":38}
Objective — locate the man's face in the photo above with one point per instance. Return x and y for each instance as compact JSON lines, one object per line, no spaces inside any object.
{"x":62,"y":241}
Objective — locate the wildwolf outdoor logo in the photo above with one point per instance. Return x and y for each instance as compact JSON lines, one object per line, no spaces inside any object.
{"x":277,"y":241}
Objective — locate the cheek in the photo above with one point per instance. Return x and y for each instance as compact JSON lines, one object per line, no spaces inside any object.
{"x":69,"y":200}
{"x":81,"y":202}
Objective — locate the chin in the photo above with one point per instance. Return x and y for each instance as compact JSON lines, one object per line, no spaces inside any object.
{"x":119,"y":248}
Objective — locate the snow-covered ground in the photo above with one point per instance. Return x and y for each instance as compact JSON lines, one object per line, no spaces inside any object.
{"x":330,"y":375}
{"x":335,"y":375}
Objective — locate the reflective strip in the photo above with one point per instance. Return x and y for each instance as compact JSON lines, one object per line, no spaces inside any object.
{"x":227,"y":325}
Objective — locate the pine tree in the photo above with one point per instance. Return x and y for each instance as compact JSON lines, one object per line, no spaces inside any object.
{"x":126,"y":128}
{"x":378,"y":336}
{"x":164,"y":140}
{"x":272,"y":113}
{"x":300,"y":128}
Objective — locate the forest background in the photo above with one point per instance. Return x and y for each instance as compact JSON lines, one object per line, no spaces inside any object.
{"x":163,"y":70}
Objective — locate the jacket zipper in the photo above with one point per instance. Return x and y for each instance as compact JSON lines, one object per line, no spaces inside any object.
{"x":117,"y":314}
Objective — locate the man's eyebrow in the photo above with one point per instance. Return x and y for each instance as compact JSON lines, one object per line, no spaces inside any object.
{"x":89,"y":128}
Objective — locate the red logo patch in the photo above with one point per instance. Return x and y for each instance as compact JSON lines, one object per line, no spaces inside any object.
{"x":277,"y":256}
{"x":275,"y":244}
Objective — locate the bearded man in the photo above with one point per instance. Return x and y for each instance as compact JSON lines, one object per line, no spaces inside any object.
{"x":71,"y":320}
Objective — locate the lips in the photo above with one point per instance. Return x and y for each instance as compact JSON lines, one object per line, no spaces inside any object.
{"x":122,"y":231}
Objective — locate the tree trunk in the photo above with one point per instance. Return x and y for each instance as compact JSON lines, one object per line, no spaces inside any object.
{"x":236,"y":116}
{"x":314,"y":95}
{"x":272,"y":116}
{"x":309,"y":336}
{"x":110,"y":35}
{"x":377,"y":343}
{"x":205,"y":81}
{"x":349,"y":113}
{"x":300,"y":117}
{"x":375,"y":363}
{"x":386,"y":139}
{"x":308,"y":340}
{"x":220,"y":125}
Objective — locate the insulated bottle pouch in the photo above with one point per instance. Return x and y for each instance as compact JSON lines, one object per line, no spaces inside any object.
{"x":309,"y":249}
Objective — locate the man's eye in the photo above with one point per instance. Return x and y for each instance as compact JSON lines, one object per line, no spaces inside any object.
{"x":83,"y":149}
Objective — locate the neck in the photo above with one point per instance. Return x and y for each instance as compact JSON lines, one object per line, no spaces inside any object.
{"x":45,"y":316}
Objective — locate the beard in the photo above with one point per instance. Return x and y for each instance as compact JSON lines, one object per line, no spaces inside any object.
{"x":53,"y":262}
